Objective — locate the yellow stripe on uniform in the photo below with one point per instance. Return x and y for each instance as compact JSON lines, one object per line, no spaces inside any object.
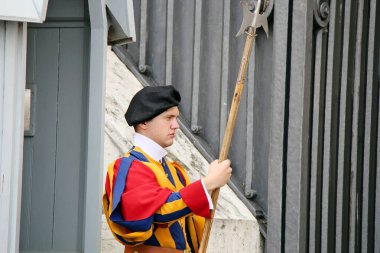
{"x":175,"y":176}
{"x":171,"y":207}
{"x":110,"y":176}
{"x":164,"y":237}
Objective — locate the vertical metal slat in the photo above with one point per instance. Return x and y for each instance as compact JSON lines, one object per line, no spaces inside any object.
{"x":196,"y":67}
{"x":298,"y":133}
{"x":331,"y":103}
{"x":345,"y":119}
{"x":169,"y":42}
{"x":355,"y":173}
{"x":371,"y":107}
{"x":377,"y":165}
{"x":377,"y":193}
{"x":316,"y":143}
{"x":276,"y":177}
{"x":225,"y":68}
{"x":249,"y":155}
{"x":143,"y":35}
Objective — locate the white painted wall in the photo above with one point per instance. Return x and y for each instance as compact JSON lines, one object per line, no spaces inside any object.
{"x":95,"y":133}
{"x":122,"y":10}
{"x":12,"y":86}
{"x":23,"y":10}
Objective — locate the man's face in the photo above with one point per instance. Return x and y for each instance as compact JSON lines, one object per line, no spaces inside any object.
{"x":161,"y":128}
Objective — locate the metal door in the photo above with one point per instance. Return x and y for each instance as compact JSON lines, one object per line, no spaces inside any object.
{"x":55,"y":146}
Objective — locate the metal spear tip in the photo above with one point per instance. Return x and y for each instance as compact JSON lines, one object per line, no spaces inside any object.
{"x":253,"y":19}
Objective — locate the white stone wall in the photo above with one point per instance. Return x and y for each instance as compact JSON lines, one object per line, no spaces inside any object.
{"x":234,"y":229}
{"x":12,"y":86}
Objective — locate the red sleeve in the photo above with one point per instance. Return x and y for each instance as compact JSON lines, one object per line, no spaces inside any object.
{"x":108,"y":180}
{"x":195,"y":198}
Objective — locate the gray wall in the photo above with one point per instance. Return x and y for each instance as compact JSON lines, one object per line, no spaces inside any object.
{"x":307,"y":136}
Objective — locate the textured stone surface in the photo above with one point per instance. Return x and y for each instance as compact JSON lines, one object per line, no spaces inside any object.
{"x":234,"y":229}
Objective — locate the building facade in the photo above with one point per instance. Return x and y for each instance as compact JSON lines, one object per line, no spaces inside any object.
{"x":52,"y":65}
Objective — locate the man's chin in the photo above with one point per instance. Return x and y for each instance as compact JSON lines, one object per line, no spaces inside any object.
{"x":169,"y":143}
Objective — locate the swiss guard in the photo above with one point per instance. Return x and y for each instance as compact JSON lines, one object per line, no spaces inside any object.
{"x":149,"y":202}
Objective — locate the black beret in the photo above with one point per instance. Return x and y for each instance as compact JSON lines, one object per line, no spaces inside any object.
{"x":149,"y":102}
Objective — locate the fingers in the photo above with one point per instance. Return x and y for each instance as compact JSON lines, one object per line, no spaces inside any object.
{"x":226,"y":163}
{"x":229,"y":171}
{"x":225,"y":169}
{"x":214,"y":162}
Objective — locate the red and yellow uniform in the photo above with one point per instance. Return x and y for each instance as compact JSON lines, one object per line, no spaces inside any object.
{"x":155,"y":204}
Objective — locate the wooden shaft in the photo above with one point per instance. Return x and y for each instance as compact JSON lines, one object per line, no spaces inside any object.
{"x":229,"y":129}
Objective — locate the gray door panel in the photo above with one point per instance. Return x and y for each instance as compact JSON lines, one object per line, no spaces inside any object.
{"x":40,"y":150}
{"x":54,"y":158}
{"x":70,"y":167}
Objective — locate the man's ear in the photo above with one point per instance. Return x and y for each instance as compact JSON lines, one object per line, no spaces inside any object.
{"x":143,"y":125}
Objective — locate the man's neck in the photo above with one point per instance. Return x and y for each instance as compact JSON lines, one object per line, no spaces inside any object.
{"x":149,"y":146}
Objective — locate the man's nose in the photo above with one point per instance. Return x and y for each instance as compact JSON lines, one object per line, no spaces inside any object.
{"x":175,"y":124}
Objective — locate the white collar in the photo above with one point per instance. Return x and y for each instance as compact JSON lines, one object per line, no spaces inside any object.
{"x":149,"y":146}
